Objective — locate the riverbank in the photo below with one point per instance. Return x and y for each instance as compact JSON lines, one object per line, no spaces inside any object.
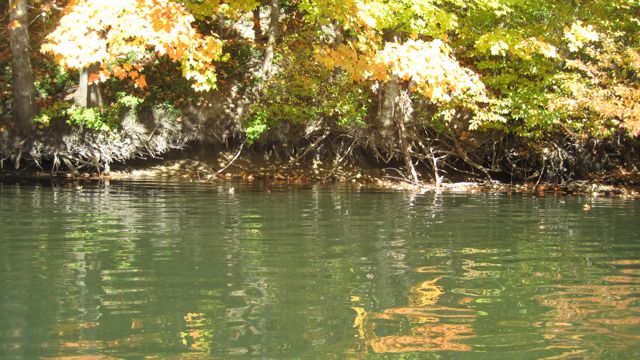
{"x":201,"y":165}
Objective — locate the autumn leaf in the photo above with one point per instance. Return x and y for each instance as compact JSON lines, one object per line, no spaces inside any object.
{"x":101,"y":32}
{"x":140,"y":82}
{"x":119,"y":72}
{"x":13,"y":24}
{"x":104,"y":75}
{"x":101,"y":76}
{"x":94,"y":78}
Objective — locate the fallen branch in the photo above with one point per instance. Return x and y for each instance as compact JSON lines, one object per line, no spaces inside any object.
{"x":229,"y":163}
{"x":404,"y":179}
{"x":340,"y":159}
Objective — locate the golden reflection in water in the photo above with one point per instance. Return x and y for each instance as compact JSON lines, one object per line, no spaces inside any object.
{"x":98,"y":345}
{"x":196,"y":337}
{"x":425,"y":293}
{"x":471,"y":269}
{"x":432,"y":327}
{"x":426,"y":338}
{"x":581,"y":311}
{"x":80,"y":357}
{"x":75,"y":329}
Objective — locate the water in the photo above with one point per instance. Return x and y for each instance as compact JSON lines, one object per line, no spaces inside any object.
{"x":174,"y":271}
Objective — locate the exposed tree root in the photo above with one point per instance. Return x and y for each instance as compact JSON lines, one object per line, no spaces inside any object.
{"x":419,"y":151}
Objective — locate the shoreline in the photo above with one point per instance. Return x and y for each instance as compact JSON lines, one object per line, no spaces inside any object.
{"x":190,"y":171}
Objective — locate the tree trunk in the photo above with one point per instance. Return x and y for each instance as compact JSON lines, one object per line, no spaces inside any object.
{"x":395,"y":110}
{"x":88,"y":95}
{"x":220,"y":25}
{"x":257,"y":26}
{"x":24,"y":106}
{"x":387,"y":110}
{"x":404,"y":114}
{"x":267,"y":65}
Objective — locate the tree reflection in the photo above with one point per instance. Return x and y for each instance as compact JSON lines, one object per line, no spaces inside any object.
{"x":608,"y":310}
{"x":432,"y":327}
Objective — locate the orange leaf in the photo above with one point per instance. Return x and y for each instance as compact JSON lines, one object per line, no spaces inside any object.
{"x":94,"y":78}
{"x":119,"y":72}
{"x":13,"y":24}
{"x":98,"y":77}
{"x":140,"y":82}
{"x":163,"y":26}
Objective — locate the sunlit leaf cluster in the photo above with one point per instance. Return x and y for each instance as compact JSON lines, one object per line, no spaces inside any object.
{"x":123,"y":36}
{"x":600,"y":83}
{"x":403,"y":39}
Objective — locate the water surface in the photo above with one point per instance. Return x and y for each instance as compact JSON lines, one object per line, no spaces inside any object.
{"x":152,"y":270}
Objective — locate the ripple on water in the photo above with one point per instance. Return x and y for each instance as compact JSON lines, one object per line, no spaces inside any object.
{"x":197,"y":271}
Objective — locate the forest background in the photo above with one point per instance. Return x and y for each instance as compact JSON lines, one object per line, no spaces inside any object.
{"x":509,"y":90}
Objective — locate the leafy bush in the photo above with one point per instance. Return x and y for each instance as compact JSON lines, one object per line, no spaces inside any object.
{"x":87,"y":118}
{"x":57,"y":111}
{"x":98,"y":119}
{"x":256,"y":126}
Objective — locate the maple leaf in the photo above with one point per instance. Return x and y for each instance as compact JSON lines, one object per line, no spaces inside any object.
{"x":140,"y":82}
{"x":119,"y":72}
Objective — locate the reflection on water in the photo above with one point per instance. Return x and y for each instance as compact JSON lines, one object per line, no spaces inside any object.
{"x":596,"y":317}
{"x":431,"y":328}
{"x":172,"y":271}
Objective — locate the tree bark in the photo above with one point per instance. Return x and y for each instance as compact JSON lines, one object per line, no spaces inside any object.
{"x":88,"y":95}
{"x":267,"y":64}
{"x":24,"y":106}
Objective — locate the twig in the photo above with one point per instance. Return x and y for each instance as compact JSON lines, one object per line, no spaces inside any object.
{"x":349,"y":149}
{"x":463,"y":154}
{"x":37,"y":163}
{"x":229,"y":163}
{"x":403,"y":179}
{"x":310,"y":147}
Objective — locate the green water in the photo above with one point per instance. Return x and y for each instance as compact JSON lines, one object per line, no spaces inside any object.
{"x":148,"y":270}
